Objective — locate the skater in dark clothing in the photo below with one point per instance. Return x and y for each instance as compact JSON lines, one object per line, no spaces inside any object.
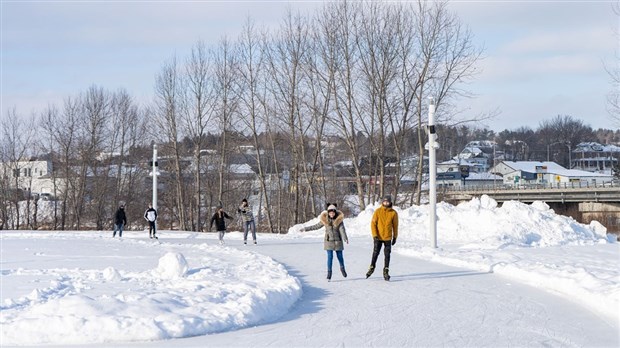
{"x":220,"y":223}
{"x":335,"y":237}
{"x":384,"y":229}
{"x":248,"y":220}
{"x":151,"y":216}
{"x":120,"y":220}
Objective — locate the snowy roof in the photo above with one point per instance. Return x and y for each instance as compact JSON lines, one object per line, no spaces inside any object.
{"x":481,"y":143}
{"x":530,"y":166}
{"x":241,"y":169}
{"x":596,"y":147}
{"x":552,"y":167}
{"x":484,"y":176}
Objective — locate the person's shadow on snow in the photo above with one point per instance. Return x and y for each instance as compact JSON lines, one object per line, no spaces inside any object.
{"x":311,"y":301}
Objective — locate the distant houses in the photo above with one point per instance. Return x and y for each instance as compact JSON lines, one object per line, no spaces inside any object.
{"x":478,"y":164}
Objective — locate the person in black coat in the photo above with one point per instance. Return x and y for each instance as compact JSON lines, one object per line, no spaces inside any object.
{"x":220,"y":223}
{"x":120,"y":220}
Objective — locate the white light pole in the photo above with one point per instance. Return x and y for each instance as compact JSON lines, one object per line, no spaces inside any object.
{"x":549,"y":146}
{"x":154,"y":176}
{"x":432,"y":173}
{"x":568,"y":144}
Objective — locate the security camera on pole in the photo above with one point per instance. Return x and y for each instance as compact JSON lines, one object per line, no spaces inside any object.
{"x":154,"y":174}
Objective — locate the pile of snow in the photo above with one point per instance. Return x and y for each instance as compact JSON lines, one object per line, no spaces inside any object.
{"x":109,"y":290}
{"x":172,"y":265}
{"x":528,"y":243}
{"x":480,"y":223}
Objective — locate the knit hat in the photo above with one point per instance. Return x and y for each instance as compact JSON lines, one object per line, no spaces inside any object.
{"x":387,"y":198}
{"x":219,"y":206}
{"x":331,"y":207}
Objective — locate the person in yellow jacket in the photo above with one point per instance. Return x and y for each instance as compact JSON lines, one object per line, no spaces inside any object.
{"x":384,"y":229}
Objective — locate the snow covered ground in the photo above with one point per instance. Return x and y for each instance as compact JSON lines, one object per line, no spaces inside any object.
{"x":516,"y":275}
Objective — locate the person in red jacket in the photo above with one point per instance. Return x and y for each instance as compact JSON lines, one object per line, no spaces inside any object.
{"x":384,"y":229}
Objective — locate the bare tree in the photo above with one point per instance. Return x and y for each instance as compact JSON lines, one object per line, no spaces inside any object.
{"x":444,"y":58}
{"x":17,"y":137}
{"x":168,"y":104}
{"x":92,"y":184}
{"x":340,"y":58}
{"x":287,"y":52}
{"x":127,"y":130}
{"x":378,"y":33}
{"x":225,"y":77}
{"x":252,"y":104}
{"x":198,"y":111}
{"x":565,"y":131}
{"x":613,"y":98}
{"x":48,"y":125}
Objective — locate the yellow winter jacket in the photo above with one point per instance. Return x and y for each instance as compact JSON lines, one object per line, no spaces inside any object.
{"x":384,"y":223}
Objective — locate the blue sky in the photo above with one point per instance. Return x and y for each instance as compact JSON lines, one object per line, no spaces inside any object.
{"x":542,"y":58}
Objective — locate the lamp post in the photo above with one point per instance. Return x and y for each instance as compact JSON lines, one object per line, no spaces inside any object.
{"x":432,"y":173}
{"x":548,"y":146}
{"x":154,"y":173}
{"x":570,"y":162}
{"x":568,"y":144}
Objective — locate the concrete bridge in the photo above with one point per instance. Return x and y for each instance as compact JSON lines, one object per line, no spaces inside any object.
{"x":583,"y":202}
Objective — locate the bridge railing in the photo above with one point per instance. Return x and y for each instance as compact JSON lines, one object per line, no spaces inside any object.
{"x":537,"y":186}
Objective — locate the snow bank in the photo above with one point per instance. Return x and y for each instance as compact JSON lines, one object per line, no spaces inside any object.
{"x":481,"y":223}
{"x":134,"y":289}
{"x":527,"y":243}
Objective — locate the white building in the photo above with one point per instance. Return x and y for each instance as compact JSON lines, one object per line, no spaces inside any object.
{"x":595,"y":157}
{"x":30,"y":176}
{"x":545,"y":173}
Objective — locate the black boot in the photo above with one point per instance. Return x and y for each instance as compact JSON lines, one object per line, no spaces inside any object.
{"x":386,"y":273}
{"x":344,"y":273}
{"x":329,"y":275}
{"x":370,"y":270}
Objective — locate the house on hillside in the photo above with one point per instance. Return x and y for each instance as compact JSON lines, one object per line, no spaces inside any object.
{"x":595,"y":157}
{"x":479,"y":152}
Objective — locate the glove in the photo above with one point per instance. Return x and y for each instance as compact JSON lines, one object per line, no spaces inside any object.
{"x":376,"y":239}
{"x":393,"y":241}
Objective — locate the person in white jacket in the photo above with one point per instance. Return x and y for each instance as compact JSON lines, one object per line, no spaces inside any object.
{"x":151,"y":216}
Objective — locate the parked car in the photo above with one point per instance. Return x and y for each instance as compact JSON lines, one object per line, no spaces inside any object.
{"x":46,"y":196}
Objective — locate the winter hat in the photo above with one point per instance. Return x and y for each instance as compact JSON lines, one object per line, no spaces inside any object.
{"x":244,"y":200}
{"x":331,"y":207}
{"x":219,"y":206}
{"x":387,"y":198}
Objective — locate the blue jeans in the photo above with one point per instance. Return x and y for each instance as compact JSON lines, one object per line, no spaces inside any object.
{"x":249,"y":225}
{"x":330,"y":259}
{"x":118,"y":227}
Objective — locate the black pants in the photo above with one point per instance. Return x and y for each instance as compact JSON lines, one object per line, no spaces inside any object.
{"x":386,"y":252}
{"x":152,"y":228}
